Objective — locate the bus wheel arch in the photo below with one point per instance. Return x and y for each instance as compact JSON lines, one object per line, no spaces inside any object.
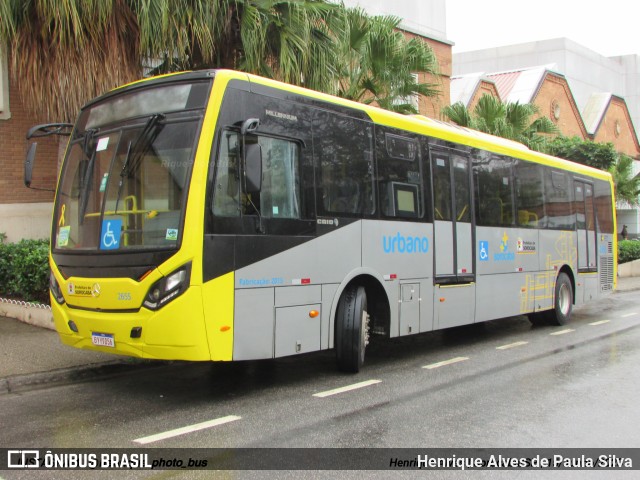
{"x":362,"y":310}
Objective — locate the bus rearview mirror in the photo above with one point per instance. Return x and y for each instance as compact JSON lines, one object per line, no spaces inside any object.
{"x":253,"y":167}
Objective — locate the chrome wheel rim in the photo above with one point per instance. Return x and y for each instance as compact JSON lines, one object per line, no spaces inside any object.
{"x":564,"y":299}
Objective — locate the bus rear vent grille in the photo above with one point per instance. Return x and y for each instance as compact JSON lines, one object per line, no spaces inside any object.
{"x":606,"y":273}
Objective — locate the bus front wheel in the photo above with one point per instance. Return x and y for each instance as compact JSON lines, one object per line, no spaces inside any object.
{"x":352,"y":329}
{"x":562,"y":301}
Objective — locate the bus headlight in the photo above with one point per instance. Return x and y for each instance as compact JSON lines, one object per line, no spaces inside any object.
{"x":168,"y":288}
{"x":54,"y":286}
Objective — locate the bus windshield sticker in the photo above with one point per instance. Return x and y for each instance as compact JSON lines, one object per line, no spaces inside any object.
{"x":110,"y":236}
{"x":103,"y":182}
{"x":63,"y":236}
{"x":103,"y":143}
{"x":172,"y":234}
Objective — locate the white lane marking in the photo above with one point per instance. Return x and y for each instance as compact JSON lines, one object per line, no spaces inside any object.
{"x":187,"y":429}
{"x":511,"y":345}
{"x":628,"y":315}
{"x":348,"y":388}
{"x":446,"y":362}
{"x":600,"y":322}
{"x":562,"y":332}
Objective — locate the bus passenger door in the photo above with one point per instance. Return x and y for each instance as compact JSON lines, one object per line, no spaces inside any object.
{"x":453,"y":239}
{"x":585,"y":223}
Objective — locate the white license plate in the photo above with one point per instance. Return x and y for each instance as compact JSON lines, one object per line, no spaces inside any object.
{"x":103,"y":339}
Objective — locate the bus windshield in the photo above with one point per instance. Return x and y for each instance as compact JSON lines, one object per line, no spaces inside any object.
{"x":123,"y":186}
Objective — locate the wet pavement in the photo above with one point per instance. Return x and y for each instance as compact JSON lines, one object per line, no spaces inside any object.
{"x":31,"y":356}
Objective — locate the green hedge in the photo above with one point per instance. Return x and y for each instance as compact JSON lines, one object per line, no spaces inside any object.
{"x":24,"y":270}
{"x":628,"y":250}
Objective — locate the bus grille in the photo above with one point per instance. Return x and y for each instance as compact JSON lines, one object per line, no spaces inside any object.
{"x":606,"y":273}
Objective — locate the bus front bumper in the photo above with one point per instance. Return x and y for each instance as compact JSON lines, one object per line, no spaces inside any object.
{"x":175,"y":332}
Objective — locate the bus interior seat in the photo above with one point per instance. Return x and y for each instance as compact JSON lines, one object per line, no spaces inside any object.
{"x":345,"y":196}
{"x":525,"y":217}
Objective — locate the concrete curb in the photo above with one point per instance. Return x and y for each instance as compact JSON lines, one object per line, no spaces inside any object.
{"x":629,"y":269}
{"x":62,"y":376}
{"x":26,"y":313}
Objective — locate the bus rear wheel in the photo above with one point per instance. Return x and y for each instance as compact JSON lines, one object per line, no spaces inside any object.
{"x":352,"y":329}
{"x":562,"y":301}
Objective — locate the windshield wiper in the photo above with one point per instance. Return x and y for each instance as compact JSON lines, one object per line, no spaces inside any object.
{"x":137,"y":149}
{"x":90,"y":156}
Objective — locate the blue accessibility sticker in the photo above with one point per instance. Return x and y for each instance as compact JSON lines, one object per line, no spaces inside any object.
{"x":110,"y":235}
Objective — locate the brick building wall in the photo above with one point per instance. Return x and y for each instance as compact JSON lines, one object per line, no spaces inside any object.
{"x":555,"y":101}
{"x":25,"y":212}
{"x":13,"y":149}
{"x":616,"y":127}
{"x":431,"y":106}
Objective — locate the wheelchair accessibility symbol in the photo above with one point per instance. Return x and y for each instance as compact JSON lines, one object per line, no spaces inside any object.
{"x":483,"y":250}
{"x":110,"y":236}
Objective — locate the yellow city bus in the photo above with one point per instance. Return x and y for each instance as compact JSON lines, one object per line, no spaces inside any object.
{"x":216,"y":215}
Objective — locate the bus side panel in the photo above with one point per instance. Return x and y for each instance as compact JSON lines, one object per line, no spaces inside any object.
{"x":254,"y":324}
{"x":401,"y":251}
{"x":267,"y":304}
{"x":591,"y":287}
{"x":507,"y":265}
{"x":499,"y":296}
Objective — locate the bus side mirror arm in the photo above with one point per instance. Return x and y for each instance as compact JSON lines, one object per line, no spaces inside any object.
{"x":43,"y":130}
{"x":28,"y":164}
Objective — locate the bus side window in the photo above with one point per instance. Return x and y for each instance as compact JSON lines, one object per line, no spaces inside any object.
{"x":493,"y":189}
{"x":400,"y":175}
{"x":529,"y":195}
{"x":343,"y":149}
{"x":226,"y":193}
{"x":442,"y":187}
{"x":280,"y":195}
{"x":558,"y":200}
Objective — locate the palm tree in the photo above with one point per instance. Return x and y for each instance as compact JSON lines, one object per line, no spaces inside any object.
{"x":377,"y":64}
{"x":64,"y":53}
{"x":627,"y":185}
{"x":514,"y":121}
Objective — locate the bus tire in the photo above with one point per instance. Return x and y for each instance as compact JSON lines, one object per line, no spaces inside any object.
{"x":352,"y":329}
{"x":562,"y":301}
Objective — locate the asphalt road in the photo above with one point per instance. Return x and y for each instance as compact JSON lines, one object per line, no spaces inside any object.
{"x":500,"y":384}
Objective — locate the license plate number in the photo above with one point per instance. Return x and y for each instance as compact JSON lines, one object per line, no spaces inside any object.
{"x":103,"y":339}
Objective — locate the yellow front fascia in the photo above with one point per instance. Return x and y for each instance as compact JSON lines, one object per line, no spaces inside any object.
{"x":175,"y":332}
{"x":218,"y":306}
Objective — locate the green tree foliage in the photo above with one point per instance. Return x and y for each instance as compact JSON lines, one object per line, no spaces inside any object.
{"x":627,"y":185}
{"x":515,"y":121}
{"x":604,"y":157}
{"x":586,"y":152}
{"x":377,"y":63}
{"x":66,"y":52}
